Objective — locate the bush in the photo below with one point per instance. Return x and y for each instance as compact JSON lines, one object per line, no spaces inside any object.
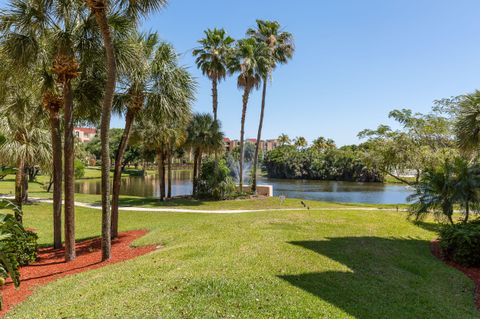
{"x":216,"y":183}
{"x":461,"y":242}
{"x":79,"y":169}
{"x":17,"y":245}
{"x":26,"y":248}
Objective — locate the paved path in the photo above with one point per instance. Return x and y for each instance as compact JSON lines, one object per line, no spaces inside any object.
{"x":210,"y":211}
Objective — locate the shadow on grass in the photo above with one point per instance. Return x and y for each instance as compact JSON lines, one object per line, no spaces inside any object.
{"x":385,"y":278}
{"x":430,"y":226}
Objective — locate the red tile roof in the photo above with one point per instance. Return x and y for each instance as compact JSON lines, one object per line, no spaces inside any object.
{"x":86,"y":130}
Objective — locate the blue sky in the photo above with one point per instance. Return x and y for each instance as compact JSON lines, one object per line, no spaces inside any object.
{"x":355,"y":60}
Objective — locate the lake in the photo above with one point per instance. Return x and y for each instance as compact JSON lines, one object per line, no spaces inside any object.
{"x":328,"y":191}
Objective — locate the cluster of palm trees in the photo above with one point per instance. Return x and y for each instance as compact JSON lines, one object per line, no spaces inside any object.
{"x":253,"y":59}
{"x":62,"y":60}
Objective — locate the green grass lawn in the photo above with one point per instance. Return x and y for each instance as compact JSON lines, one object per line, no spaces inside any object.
{"x":295,"y":264}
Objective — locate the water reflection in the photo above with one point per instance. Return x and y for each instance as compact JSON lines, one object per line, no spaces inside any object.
{"x":329,"y":191}
{"x":145,"y":186}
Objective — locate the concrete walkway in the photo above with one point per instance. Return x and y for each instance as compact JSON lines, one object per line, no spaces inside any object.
{"x":210,"y":211}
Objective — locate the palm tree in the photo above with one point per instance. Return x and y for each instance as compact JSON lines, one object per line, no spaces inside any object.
{"x":57,"y":38}
{"x":130,"y":99}
{"x":212,"y":59}
{"x":283,"y":140}
{"x":281,"y":48}
{"x":24,"y":130}
{"x":323,"y":143}
{"x":203,"y":137}
{"x":467,"y":126}
{"x":467,"y":186}
{"x":435,"y":192}
{"x":100,"y":8}
{"x":300,"y":142}
{"x":169,"y":97}
{"x":252,"y":60}
{"x":440,"y":188}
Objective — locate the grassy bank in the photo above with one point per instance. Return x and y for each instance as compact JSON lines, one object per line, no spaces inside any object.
{"x":298,"y":264}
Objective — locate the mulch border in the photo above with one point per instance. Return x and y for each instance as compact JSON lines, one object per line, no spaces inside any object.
{"x":472,"y":272}
{"x":50,"y":265}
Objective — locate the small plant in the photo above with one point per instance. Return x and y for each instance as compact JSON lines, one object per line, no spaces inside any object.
{"x":461,"y":242}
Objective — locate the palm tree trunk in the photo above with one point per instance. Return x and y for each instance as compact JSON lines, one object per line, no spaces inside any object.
{"x":215,"y":110}
{"x":259,"y":136}
{"x":467,"y":211}
{"x":18,"y":188}
{"x":195,"y":170}
{"x":69,"y":175}
{"x":57,"y":177}
{"x":162,"y":178}
{"x":101,"y":19}
{"x":215,"y":98}
{"x":117,"y":175}
{"x":169,"y":174}
{"x":26,"y":173}
{"x":161,"y":173}
{"x":242,"y":133}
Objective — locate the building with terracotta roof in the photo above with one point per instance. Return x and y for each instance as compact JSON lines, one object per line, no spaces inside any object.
{"x":85,"y":134}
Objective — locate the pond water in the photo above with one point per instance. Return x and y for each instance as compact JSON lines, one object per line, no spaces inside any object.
{"x":329,"y":191}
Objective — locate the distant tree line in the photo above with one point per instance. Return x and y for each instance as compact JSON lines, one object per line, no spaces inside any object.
{"x":321,"y":161}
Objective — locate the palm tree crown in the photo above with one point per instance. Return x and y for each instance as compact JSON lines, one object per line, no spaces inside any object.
{"x":212,"y":56}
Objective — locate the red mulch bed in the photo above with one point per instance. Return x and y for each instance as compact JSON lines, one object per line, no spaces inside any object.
{"x":472,"y":272}
{"x":51,"y":265}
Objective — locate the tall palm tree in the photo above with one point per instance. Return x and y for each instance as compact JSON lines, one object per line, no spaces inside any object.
{"x":100,"y":9}
{"x":203,"y":137}
{"x":133,"y":83}
{"x":169,"y":98}
{"x":59,"y":37}
{"x":281,"y":48}
{"x":252,"y":60}
{"x":212,"y":59}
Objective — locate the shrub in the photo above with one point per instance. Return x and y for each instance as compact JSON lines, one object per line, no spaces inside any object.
{"x":17,"y":245}
{"x":26,"y":248}
{"x":461,"y":242}
{"x":215,"y":183}
{"x":79,"y":169}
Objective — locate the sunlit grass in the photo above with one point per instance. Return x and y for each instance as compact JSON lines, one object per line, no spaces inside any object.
{"x":297,"y":264}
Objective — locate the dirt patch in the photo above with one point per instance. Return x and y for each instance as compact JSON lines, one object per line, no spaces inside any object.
{"x":472,"y":272}
{"x":51,"y":265}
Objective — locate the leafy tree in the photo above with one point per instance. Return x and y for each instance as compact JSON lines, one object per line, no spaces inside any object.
{"x":215,"y":182}
{"x":424,"y":140}
{"x":281,"y":48}
{"x":252,"y":61}
{"x":212,"y":59}
{"x":343,"y":164}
